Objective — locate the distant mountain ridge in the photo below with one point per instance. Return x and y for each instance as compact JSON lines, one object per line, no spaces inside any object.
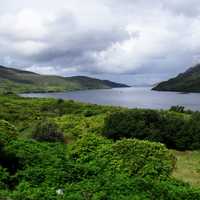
{"x":189,"y":81}
{"x":19,"y":81}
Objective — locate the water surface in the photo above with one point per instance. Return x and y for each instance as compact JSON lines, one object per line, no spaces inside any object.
{"x":133,"y":97}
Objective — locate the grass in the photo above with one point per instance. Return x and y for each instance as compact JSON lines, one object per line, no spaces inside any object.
{"x":188,"y":167}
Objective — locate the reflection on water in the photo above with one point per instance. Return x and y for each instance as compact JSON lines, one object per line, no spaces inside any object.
{"x":134,"y":97}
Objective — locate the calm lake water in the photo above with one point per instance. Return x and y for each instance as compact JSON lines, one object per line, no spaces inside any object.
{"x":134,"y":97}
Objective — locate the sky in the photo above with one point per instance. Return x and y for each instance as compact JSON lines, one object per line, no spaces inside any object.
{"x":131,"y":41}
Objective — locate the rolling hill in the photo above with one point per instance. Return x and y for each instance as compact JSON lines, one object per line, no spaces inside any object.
{"x":189,"y":81}
{"x":19,"y":81}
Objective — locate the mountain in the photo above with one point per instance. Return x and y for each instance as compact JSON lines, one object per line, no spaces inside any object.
{"x":19,"y":81}
{"x":189,"y":81}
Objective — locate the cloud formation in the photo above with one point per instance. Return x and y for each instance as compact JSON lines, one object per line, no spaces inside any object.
{"x":100,"y":37}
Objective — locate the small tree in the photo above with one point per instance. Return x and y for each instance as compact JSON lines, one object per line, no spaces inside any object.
{"x":47,"y":131}
{"x":178,"y":108}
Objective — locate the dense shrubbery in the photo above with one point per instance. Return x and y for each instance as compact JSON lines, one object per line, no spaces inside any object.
{"x":129,"y":156}
{"x":177,"y":131}
{"x":24,"y":113}
{"x":91,"y":167}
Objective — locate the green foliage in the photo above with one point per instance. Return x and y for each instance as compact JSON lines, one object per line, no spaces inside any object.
{"x":46,"y":130}
{"x":137,"y":159}
{"x":89,"y":166}
{"x":129,"y":156}
{"x":4,"y":176}
{"x":42,"y":163}
{"x":173,"y":129}
{"x":89,"y":113}
{"x":93,"y":168}
{"x":8,"y":132}
{"x":76,"y":125}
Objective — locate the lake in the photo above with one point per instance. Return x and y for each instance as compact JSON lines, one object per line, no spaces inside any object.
{"x":133,"y":97}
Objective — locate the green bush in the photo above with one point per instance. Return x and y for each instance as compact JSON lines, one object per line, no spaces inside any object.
{"x":130,"y":156}
{"x":8,"y":132}
{"x":47,"y":131}
{"x":4,"y":177}
{"x":131,"y":123}
{"x":177,"y":131}
{"x":89,"y":113}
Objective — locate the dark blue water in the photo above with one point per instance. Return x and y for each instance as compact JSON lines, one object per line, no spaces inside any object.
{"x":134,"y":97}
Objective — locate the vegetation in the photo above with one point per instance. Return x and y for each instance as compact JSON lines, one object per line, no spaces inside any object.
{"x":55,"y":149}
{"x":188,"y":81}
{"x":180,"y":109}
{"x":177,"y":130}
{"x":18,"y":81}
{"x":47,"y":131}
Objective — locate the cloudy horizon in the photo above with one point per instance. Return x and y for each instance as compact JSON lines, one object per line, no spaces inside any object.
{"x":134,"y":41}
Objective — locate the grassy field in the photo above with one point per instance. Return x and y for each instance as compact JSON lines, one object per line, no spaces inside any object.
{"x":188,"y":167}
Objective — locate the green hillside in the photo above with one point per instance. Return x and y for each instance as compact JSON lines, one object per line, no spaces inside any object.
{"x":18,"y":81}
{"x":189,"y":81}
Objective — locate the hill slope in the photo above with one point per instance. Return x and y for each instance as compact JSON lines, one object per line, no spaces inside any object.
{"x":14,"y":80}
{"x":189,"y":81}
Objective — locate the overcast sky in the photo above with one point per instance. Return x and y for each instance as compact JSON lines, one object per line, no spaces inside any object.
{"x":135,"y":41}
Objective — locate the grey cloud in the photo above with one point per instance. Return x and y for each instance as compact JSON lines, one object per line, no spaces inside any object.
{"x":100,"y":37}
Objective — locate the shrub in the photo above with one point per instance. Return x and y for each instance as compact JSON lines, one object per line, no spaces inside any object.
{"x":132,"y":123}
{"x":180,"y":109}
{"x":89,"y":113}
{"x":8,"y":132}
{"x":47,"y":131}
{"x":176,"y":130}
{"x":130,"y":156}
{"x":4,"y":176}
